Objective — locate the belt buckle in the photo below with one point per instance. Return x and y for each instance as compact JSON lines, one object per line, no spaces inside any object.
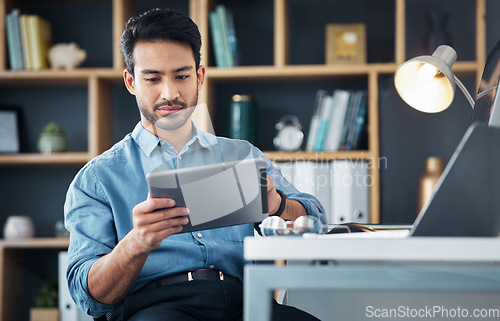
{"x":190,"y":276}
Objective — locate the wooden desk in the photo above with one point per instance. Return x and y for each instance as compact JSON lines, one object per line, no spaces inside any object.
{"x":441,"y":264}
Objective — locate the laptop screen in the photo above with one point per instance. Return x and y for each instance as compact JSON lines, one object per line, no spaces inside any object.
{"x":487,"y":109}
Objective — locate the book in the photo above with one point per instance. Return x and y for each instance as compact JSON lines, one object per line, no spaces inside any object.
{"x":322,"y":185}
{"x":40,"y":39}
{"x":337,"y":120}
{"x":68,"y":310}
{"x":233,"y":40}
{"x":341,"y":186}
{"x":23,"y":25}
{"x":222,"y":16}
{"x":303,"y":176}
{"x":313,"y":177}
{"x":350,"y":187}
{"x":217,"y":42}
{"x":351,"y":115}
{"x":359,"y":131}
{"x":355,"y":122}
{"x":14,"y":42}
{"x":324,"y":122}
{"x":314,"y":125}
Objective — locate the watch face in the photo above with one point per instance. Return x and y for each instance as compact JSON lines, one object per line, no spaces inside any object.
{"x":289,"y":138}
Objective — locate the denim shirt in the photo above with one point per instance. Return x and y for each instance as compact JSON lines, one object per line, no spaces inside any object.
{"x":99,"y":203}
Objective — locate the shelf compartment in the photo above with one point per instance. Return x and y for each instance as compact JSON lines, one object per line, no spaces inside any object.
{"x":274,"y":99}
{"x":87,"y":23}
{"x":460,"y":24}
{"x":307,"y":37}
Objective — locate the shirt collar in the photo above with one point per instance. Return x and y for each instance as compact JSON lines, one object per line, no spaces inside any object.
{"x":148,"y":141}
{"x":204,"y":139}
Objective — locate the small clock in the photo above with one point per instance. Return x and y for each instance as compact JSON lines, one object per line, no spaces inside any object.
{"x":290,"y":135}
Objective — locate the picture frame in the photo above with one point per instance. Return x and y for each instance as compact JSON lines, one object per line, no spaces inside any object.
{"x":345,"y":43}
{"x":9,"y":130}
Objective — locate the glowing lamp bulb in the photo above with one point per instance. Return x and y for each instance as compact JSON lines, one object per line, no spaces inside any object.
{"x":426,"y":72}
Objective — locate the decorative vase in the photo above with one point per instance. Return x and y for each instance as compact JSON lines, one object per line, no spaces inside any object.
{"x":243,"y":118}
{"x":429,"y":178}
{"x":18,"y":226}
{"x":51,"y":143}
{"x":438,"y":34}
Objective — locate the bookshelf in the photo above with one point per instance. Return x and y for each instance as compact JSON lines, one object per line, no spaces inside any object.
{"x":16,"y":272}
{"x":100,"y":81}
{"x":282,"y":70}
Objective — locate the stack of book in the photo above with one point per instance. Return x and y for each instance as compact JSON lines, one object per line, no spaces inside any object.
{"x":224,"y":39}
{"x":339,"y":121}
{"x":28,"y":40}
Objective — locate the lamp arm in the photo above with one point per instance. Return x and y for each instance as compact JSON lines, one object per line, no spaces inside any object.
{"x":464,"y":90}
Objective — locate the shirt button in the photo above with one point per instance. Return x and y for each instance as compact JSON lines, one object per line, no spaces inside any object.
{"x":212,"y":266}
{"x":199,"y":235}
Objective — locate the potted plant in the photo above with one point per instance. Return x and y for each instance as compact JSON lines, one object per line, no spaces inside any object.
{"x":46,"y":302}
{"x":52,"y":139}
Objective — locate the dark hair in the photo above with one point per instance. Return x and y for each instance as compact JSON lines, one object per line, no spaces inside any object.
{"x":159,"y":25}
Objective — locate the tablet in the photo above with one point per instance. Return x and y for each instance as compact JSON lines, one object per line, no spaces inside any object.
{"x":217,"y":195}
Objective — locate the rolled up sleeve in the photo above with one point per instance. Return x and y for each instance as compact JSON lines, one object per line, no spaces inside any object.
{"x":89,"y":219}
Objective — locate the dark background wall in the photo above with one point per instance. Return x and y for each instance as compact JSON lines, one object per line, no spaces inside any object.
{"x":407,"y":137}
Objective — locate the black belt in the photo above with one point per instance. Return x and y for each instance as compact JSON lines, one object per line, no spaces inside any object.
{"x":200,"y":274}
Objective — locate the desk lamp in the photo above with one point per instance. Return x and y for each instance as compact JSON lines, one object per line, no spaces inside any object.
{"x":427,"y":83}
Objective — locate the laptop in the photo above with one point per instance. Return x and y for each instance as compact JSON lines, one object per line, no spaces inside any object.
{"x":217,"y":195}
{"x":465,"y":201}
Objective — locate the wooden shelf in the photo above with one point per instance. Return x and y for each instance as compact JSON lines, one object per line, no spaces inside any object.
{"x":35,"y":243}
{"x":280,"y":156}
{"x":252,"y":73}
{"x":57,"y":77}
{"x":259,"y":73}
{"x":77,"y":158}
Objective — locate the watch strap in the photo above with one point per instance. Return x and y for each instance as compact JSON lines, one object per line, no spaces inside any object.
{"x":281,"y":209}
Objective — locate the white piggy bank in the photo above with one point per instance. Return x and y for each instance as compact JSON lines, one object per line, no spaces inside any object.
{"x":66,"y":55}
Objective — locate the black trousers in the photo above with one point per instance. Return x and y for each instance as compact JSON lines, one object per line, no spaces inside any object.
{"x":196,"y":300}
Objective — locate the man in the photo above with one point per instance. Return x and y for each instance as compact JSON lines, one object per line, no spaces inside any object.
{"x":126,"y":255}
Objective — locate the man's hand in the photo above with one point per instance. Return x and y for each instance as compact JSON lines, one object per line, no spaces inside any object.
{"x":273,"y":198}
{"x":113,"y":275}
{"x":154,"y":220}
